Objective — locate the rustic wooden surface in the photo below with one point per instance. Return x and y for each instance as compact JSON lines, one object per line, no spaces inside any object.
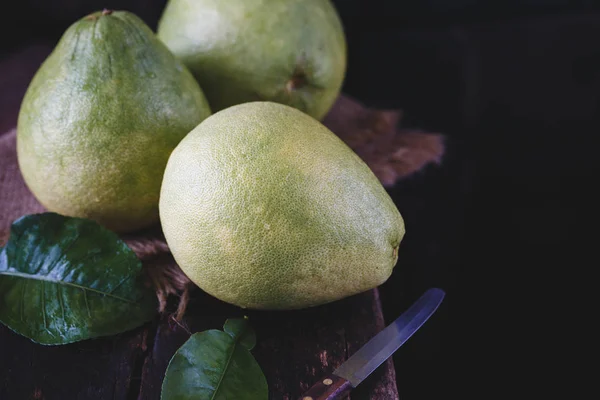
{"x":294,"y":349}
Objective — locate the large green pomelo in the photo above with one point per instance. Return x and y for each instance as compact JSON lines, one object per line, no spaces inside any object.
{"x":287,"y":51}
{"x":100,"y":119}
{"x":264,"y":207}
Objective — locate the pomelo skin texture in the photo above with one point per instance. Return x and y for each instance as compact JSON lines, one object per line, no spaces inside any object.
{"x":100,"y":119}
{"x":287,"y":51}
{"x":263,"y":207}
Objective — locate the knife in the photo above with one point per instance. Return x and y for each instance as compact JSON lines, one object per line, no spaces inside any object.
{"x":381,"y":346}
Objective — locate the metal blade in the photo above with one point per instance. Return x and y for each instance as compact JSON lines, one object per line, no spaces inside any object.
{"x":385,"y":343}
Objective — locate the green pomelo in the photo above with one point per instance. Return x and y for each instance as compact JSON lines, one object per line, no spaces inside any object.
{"x":264,"y":207}
{"x":286,"y":51}
{"x":100,"y":119}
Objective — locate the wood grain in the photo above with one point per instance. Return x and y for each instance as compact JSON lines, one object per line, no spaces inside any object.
{"x":94,"y":369}
{"x":294,"y":348}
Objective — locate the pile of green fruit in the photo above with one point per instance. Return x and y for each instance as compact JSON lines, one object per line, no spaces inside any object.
{"x":261,"y":205}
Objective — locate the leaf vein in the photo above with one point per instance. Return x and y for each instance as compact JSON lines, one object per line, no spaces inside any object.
{"x":218,"y":386}
{"x":119,"y":284}
{"x":74,"y":285}
{"x":44,"y":305}
{"x":23,"y":302}
{"x":87,"y":306}
{"x":60,"y":301}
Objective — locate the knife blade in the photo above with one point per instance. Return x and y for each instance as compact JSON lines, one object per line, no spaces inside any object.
{"x":378,"y":349}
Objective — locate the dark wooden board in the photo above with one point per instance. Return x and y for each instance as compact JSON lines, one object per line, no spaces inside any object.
{"x":294,"y":347}
{"x":93,"y":369}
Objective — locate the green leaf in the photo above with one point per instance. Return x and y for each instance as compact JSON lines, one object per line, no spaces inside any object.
{"x":239,"y":328}
{"x":216,"y":365}
{"x":66,"y":279}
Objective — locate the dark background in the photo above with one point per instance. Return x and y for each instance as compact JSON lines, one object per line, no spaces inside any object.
{"x":514,"y":86}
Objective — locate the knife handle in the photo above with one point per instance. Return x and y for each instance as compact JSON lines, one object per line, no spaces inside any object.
{"x":332,"y":387}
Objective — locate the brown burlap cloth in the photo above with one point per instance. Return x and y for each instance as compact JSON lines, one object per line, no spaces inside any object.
{"x":391,"y":153}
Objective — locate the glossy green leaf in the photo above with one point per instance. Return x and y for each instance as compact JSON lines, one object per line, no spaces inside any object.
{"x":238,"y":329}
{"x":216,"y":365}
{"x":67,"y":279}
